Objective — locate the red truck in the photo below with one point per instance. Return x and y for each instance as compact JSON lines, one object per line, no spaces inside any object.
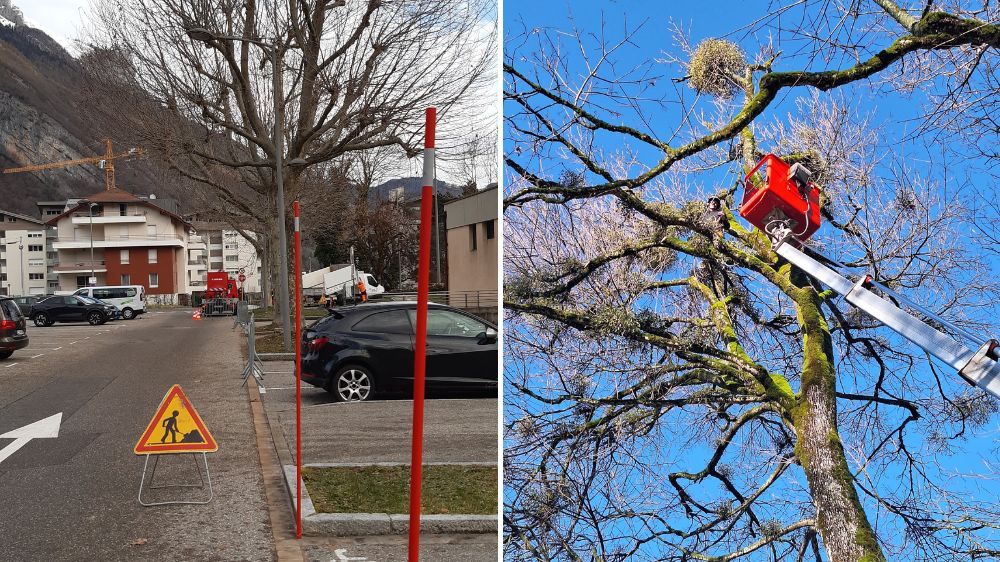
{"x":221,"y":294}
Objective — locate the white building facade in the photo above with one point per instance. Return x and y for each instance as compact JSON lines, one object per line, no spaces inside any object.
{"x":26,"y":255}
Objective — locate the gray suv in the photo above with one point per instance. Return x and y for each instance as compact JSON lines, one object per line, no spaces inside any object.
{"x":13,"y":328}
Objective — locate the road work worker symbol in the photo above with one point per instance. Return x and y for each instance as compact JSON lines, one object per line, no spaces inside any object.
{"x":176,"y":428}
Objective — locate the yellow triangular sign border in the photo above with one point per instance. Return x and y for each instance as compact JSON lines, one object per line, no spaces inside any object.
{"x":208,"y":446}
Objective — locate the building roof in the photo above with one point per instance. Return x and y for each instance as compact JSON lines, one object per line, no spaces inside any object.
{"x":116,"y":195}
{"x":22,"y":217}
{"x":473,"y":208}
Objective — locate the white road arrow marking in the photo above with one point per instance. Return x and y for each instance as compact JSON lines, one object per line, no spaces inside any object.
{"x":47,"y":428}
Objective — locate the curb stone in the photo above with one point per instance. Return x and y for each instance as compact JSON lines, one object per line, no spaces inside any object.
{"x":355,"y":524}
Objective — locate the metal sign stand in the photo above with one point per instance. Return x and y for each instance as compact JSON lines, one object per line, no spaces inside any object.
{"x":254,"y":365}
{"x":152,"y":476}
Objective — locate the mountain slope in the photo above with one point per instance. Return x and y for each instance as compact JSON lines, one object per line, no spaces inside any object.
{"x":42,"y":120}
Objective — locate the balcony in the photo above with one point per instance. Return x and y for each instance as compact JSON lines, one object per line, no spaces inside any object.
{"x":133,"y":217}
{"x":83,"y":266}
{"x":120,"y":241}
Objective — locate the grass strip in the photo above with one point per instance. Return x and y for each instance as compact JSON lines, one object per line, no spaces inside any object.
{"x":385,"y":489}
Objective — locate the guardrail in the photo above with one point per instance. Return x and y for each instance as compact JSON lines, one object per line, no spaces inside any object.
{"x":457,"y":299}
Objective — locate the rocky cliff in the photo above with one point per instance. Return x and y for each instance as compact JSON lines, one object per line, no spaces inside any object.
{"x":43,"y":119}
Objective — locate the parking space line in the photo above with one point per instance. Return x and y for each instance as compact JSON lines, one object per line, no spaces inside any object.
{"x":11,"y":365}
{"x":36,"y":356}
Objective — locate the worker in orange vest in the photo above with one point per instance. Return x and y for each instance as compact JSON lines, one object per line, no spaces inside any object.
{"x":362,"y":291}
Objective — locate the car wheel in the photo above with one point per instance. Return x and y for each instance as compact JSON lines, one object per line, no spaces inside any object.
{"x":128,"y":313}
{"x":6,"y":353}
{"x":95,"y":318}
{"x":42,"y":319}
{"x":352,"y":383}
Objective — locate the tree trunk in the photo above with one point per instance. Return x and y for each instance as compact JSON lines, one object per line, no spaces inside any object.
{"x":842,"y":522}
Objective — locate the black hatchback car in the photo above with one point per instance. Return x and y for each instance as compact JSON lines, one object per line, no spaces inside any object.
{"x":359,"y":352}
{"x":70,"y":308}
{"x":13,"y":331}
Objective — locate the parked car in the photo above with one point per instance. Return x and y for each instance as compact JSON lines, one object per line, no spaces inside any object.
{"x":110,"y":309}
{"x":68,"y":308}
{"x":359,"y":352}
{"x":24,"y":303}
{"x":13,"y":329}
{"x":129,"y":299}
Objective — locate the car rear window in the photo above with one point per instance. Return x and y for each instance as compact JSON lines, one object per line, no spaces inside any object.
{"x":10,"y":310}
{"x":390,"y":322}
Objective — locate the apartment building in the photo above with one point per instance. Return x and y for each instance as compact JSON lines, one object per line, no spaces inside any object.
{"x":115,"y":238}
{"x":215,"y":247}
{"x":26,"y":256}
{"x":471,"y":222}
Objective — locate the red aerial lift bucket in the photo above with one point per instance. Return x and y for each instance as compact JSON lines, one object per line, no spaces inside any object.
{"x":773,"y":196}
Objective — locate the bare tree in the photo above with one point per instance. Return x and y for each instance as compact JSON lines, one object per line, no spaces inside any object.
{"x":676,"y":391}
{"x":355,"y":77}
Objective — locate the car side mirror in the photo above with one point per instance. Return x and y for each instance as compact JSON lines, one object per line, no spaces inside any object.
{"x":489,"y":336}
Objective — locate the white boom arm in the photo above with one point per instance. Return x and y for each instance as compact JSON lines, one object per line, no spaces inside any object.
{"x":979,"y":368}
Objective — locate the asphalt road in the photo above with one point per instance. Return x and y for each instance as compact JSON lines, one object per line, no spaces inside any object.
{"x":74,"y":497}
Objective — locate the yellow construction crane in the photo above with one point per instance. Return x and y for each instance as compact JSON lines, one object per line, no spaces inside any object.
{"x":106,"y":162}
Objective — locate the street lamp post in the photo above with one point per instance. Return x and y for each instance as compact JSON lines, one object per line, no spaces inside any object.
{"x":20,"y":261}
{"x":206,"y":36}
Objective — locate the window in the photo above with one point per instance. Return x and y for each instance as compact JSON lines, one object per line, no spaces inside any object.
{"x":154,"y":280}
{"x":391,"y":322}
{"x":11,"y":310}
{"x":11,"y":219}
{"x":129,"y":292}
{"x":123,"y":209}
{"x":126,"y":279}
{"x":472,"y":237}
{"x":124,"y":256}
{"x":448,"y":323}
{"x":232,"y":258}
{"x":230,"y":246}
{"x":36,"y":263}
{"x":36,"y":248}
{"x":34,"y":235}
{"x":51,"y":212}
{"x":36,"y":276}
{"x":490,"y":227}
{"x":152,"y":255}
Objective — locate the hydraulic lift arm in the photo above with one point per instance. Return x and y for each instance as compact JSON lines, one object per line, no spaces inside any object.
{"x":979,"y":368}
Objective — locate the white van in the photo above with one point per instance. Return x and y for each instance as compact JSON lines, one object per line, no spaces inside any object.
{"x":130,"y":299}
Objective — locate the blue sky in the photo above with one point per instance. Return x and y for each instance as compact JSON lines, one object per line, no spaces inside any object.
{"x":895,"y":116}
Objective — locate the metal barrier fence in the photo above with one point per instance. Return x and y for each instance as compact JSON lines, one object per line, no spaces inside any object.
{"x":255,"y":367}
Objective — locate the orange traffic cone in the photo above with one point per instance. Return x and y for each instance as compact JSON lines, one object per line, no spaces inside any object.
{"x":196,"y":315}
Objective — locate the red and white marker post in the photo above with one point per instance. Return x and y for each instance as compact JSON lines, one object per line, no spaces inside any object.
{"x":420,"y":347}
{"x":298,"y":373}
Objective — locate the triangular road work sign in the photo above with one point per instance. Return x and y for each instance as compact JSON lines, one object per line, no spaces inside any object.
{"x":176,"y":428}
